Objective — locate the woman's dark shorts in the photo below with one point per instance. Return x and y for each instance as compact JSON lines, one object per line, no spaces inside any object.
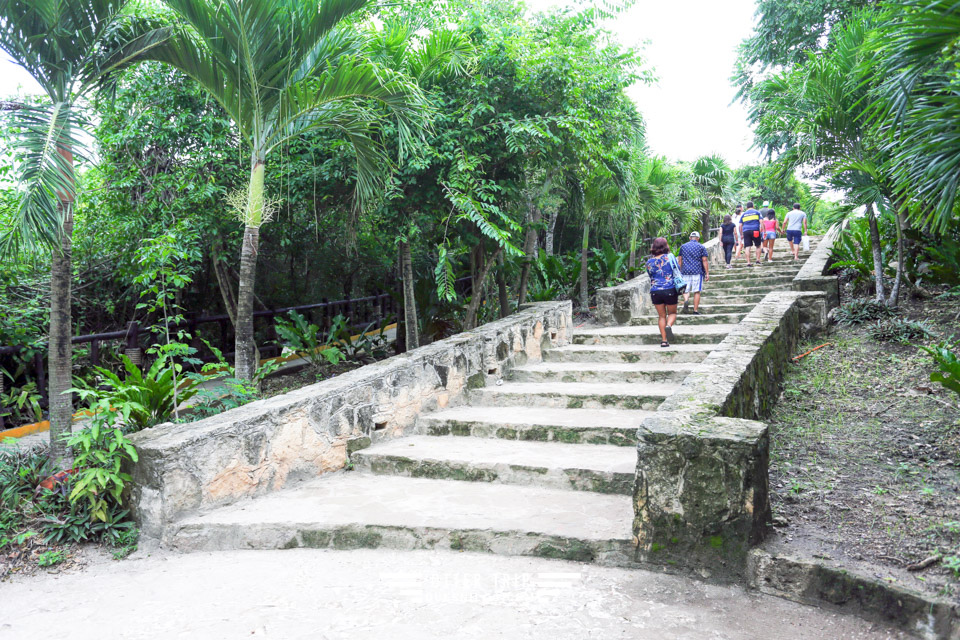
{"x":667,"y":297}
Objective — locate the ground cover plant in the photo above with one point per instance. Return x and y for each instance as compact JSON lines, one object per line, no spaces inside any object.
{"x":864,"y":465}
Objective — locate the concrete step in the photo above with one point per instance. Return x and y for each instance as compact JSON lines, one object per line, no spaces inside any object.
{"x":626,"y":335}
{"x":352,"y":511}
{"x":713,"y":305}
{"x":574,"y":395}
{"x":726,"y":297}
{"x":745,"y":289}
{"x":751,"y":279}
{"x":705,"y":318}
{"x":554,"y":465}
{"x":574,"y":426}
{"x":600,"y":372}
{"x":675,"y":353}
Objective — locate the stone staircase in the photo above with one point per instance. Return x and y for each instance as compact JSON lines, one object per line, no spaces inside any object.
{"x":542,"y":464}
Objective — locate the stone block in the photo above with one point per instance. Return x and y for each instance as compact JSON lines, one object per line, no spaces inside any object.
{"x":700,"y":497}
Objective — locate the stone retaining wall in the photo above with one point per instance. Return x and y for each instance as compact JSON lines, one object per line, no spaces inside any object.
{"x":617,"y":305}
{"x":813,"y":274}
{"x":259,"y":447}
{"x":701,"y":493}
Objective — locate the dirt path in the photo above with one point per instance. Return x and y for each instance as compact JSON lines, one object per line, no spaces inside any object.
{"x":328,"y":595}
{"x":865,"y":466}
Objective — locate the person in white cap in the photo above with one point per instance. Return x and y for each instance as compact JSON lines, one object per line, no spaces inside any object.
{"x":695,"y":268}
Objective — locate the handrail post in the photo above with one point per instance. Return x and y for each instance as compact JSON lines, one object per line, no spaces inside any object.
{"x":132,"y":349}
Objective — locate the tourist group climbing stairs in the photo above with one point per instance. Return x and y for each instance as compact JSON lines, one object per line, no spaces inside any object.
{"x":540,"y":464}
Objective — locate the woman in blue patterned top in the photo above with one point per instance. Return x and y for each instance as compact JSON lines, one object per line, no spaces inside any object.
{"x":663,"y":293}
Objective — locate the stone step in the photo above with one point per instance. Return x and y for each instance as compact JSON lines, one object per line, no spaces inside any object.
{"x":725,"y":297}
{"x":675,"y":353}
{"x":683,"y":334}
{"x":719,"y":306}
{"x":360,"y":511}
{"x":574,"y":395}
{"x":554,"y":465}
{"x":600,"y":372}
{"x":705,"y":318}
{"x":752,"y":279}
{"x":574,"y":426}
{"x":741,"y":288}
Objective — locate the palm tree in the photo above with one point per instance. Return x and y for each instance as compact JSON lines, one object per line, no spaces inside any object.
{"x":916,"y":56}
{"x":713,"y":181}
{"x":602,"y":196}
{"x":69,"y":48}
{"x":659,"y":206}
{"x":280,"y":68}
{"x":442,"y":52}
{"x":818,"y":115}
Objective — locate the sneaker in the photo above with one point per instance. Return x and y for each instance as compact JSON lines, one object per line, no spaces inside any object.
{"x":695,"y":313}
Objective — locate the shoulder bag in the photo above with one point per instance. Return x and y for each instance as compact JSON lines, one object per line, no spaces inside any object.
{"x":678,"y":282}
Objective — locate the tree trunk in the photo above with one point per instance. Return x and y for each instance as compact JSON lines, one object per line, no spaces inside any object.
{"x":245,"y":346}
{"x":632,"y":260}
{"x":224,"y":284}
{"x":59,"y":357}
{"x":483,"y":269}
{"x":529,"y":253}
{"x":705,"y":223}
{"x":584,"y":275}
{"x":872,"y":218}
{"x":894,"y":298}
{"x":548,"y":238}
{"x":502,"y":288}
{"x":410,"y":326}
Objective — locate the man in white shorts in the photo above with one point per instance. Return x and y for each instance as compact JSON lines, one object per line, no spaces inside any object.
{"x":695,"y":267}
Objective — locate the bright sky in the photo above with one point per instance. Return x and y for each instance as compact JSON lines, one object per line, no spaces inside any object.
{"x":692,"y":48}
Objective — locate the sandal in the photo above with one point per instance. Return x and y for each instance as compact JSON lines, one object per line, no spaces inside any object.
{"x":664,"y":344}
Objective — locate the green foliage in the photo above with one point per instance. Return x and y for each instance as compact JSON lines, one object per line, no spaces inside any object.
{"x":23,"y":403}
{"x":608,"y":266}
{"x":145,"y":397}
{"x":899,"y":330}
{"x":946,"y":355}
{"x":100,"y":451}
{"x":554,"y":276}
{"x":219,"y":389}
{"x":862,"y":311}
{"x":51,"y":558}
{"x":305,"y":339}
{"x":853,"y":250}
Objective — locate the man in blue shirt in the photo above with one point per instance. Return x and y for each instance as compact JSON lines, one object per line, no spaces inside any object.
{"x":750,"y":231}
{"x":695,"y":267}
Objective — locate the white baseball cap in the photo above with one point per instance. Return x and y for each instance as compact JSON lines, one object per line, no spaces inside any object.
{"x":695,"y":234}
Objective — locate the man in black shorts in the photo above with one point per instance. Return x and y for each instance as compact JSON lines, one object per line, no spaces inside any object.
{"x":750,"y":231}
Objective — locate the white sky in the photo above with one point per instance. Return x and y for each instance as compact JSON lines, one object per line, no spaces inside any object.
{"x":692,"y":48}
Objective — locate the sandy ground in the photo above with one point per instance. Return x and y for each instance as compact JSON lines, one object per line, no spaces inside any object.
{"x":327,"y":595}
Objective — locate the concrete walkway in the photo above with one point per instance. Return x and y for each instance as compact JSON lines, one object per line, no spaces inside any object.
{"x":389,"y":595}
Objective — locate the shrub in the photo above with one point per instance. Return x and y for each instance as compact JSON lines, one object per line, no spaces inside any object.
{"x":899,"y":330}
{"x":946,"y":355}
{"x":862,"y":311}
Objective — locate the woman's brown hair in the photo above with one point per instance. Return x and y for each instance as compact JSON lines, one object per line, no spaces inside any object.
{"x":727,"y":219}
{"x":659,"y":247}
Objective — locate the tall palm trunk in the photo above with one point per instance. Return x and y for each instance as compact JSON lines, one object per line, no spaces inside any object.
{"x":529,"y":252}
{"x":872,"y":219}
{"x":245,"y":345}
{"x":705,"y":223}
{"x":584,"y":254}
{"x":894,"y":298}
{"x":634,"y":232}
{"x":502,"y":288}
{"x":411,"y":329}
{"x":59,"y":357}
{"x":548,"y":236}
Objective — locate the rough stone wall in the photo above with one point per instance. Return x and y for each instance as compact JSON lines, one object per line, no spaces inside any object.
{"x":701,"y":490}
{"x":260,"y":447}
{"x":619,"y":304}
{"x":812,"y":275}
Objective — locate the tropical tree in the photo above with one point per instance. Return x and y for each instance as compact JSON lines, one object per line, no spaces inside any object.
{"x":603,"y":196}
{"x":280,"y":68}
{"x":714,"y":190}
{"x":818,"y":115}
{"x":70,"y":49}
{"x":659,"y":207}
{"x":917,"y":104}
